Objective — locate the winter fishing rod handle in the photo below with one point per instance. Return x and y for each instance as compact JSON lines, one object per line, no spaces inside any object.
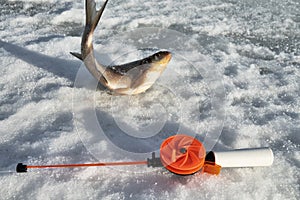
{"x":257,"y":157}
{"x":21,"y":168}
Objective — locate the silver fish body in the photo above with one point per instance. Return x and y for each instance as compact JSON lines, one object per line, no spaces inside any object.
{"x":128,"y":79}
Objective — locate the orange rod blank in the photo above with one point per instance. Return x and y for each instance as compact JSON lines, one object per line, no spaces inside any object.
{"x":23,"y":168}
{"x":89,"y":165}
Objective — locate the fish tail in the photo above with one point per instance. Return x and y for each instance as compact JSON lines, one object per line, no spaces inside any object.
{"x":92,"y":15}
{"x":92,"y":19}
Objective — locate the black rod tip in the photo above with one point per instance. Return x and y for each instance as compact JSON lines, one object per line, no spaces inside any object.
{"x":21,"y":168}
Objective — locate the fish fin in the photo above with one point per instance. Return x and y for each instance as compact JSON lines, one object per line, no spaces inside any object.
{"x":92,"y":15}
{"x":77,"y":55}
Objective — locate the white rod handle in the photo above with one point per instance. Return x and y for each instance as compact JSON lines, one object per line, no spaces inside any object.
{"x":242,"y":157}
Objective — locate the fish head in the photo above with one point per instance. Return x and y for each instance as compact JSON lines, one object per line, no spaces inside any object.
{"x":162,"y":57}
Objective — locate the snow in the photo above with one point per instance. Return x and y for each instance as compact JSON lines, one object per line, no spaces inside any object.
{"x":233,"y":82}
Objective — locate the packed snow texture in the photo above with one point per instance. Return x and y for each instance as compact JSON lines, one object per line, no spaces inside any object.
{"x":233,"y":82}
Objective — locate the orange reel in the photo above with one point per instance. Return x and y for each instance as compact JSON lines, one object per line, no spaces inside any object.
{"x":185,"y":155}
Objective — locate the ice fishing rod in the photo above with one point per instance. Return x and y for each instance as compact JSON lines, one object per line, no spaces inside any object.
{"x":184,"y":155}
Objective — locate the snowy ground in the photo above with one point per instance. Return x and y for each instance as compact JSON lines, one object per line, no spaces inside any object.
{"x":51,"y":111}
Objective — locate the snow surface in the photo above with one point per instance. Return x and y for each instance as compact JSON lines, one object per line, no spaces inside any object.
{"x":233,"y":82}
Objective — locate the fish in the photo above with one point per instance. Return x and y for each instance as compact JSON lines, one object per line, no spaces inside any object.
{"x":126,"y":79}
